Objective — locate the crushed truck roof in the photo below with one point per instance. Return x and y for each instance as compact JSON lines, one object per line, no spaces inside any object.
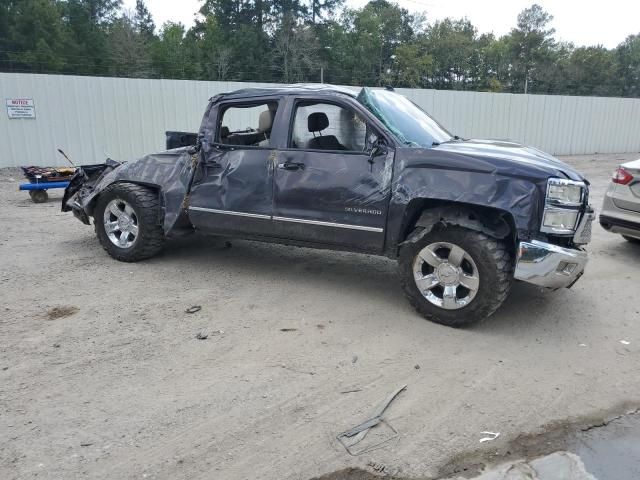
{"x":297,"y":89}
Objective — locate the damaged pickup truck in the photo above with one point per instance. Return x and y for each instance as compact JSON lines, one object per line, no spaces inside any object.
{"x":326,"y":167}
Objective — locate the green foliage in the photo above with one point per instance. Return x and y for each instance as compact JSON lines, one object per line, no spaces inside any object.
{"x":295,"y":51}
{"x":412,"y":66}
{"x":37,"y":26}
{"x":628,"y":63}
{"x":452,"y":44}
{"x":592,"y":70}
{"x":143,"y":21}
{"x":370,"y":37}
{"x":172,"y":55}
{"x":128,"y":50}
{"x":87,"y":24}
{"x":295,"y":40}
{"x":531,"y":44}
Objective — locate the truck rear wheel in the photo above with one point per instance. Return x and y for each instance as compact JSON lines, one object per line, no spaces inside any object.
{"x":455,"y":276}
{"x":127,"y":222}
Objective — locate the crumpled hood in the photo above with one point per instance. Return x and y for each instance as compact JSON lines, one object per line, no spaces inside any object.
{"x":510,"y":151}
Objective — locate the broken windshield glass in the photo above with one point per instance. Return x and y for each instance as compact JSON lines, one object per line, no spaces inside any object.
{"x":411,"y":125}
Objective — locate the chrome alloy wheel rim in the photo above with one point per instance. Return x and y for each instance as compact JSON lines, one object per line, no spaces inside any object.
{"x":121,"y":223}
{"x":446,"y":275}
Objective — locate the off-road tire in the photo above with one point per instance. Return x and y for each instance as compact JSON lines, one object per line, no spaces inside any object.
{"x":631,"y":239}
{"x":146,"y":205}
{"x":494,"y":262}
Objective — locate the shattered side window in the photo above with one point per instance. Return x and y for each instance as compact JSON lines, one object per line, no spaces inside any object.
{"x":247,"y":125}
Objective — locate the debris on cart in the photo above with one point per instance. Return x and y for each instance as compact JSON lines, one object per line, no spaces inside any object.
{"x":42,"y":179}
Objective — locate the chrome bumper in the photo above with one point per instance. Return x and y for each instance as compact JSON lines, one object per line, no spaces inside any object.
{"x":548,"y":265}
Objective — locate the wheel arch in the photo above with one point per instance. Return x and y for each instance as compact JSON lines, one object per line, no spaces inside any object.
{"x":428,"y":214}
{"x":90,"y":207}
{"x":150,"y":235}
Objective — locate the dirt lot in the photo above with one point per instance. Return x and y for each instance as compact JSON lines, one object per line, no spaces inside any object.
{"x":101,"y":374}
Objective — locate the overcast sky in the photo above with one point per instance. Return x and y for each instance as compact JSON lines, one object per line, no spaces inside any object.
{"x":583,"y":22}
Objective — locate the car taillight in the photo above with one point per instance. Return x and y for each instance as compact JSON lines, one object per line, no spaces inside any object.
{"x":621,"y":176}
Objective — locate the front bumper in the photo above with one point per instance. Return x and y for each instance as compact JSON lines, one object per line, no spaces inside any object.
{"x":549,"y":265}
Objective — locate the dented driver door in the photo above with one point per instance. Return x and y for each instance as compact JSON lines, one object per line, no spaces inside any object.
{"x":232,"y":192}
{"x":331,"y":186}
{"x":332,"y":198}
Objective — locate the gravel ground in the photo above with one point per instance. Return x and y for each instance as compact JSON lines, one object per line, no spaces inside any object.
{"x":101,"y":374}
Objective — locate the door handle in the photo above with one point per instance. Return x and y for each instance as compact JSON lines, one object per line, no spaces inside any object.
{"x":291,"y":166}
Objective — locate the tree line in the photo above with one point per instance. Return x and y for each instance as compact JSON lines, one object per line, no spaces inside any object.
{"x":310,"y":41}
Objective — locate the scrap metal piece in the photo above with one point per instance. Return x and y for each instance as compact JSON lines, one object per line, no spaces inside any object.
{"x":359,"y":432}
{"x":365,"y":426}
{"x":491,"y":436}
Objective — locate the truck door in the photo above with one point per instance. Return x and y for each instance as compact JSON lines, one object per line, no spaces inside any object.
{"x":329,"y":186}
{"x":233,"y":192}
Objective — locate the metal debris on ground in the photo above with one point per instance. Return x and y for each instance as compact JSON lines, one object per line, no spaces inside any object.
{"x":490,"y":436}
{"x":202,"y":336}
{"x":377,"y":467}
{"x":625,"y":342}
{"x":352,"y":391}
{"x":288,"y":329}
{"x":193,"y":309}
{"x":355,"y":435}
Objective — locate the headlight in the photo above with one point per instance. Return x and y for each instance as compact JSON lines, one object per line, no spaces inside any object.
{"x":562,"y":206}
{"x":560,"y":221}
{"x":565,"y":192}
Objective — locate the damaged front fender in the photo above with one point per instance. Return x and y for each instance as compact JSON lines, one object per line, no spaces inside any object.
{"x":170,"y":173}
{"x":427,"y":177}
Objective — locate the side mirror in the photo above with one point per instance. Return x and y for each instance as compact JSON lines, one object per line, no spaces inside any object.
{"x":372,"y":141}
{"x":375,"y":145}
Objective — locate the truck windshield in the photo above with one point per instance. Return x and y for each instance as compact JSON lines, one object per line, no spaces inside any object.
{"x":411,"y":125}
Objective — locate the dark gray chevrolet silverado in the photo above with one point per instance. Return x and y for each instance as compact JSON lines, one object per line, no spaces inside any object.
{"x":326,"y":167}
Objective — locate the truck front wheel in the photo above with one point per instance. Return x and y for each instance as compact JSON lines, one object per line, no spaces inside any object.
{"x":455,"y":276}
{"x":126,"y":219}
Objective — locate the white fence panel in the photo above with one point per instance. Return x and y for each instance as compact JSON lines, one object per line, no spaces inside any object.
{"x":94,"y":117}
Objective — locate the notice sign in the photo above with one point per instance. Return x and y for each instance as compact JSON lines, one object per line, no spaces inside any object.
{"x":21,"y":108}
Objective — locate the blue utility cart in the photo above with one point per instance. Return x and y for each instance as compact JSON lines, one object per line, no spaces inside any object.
{"x":42,"y":179}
